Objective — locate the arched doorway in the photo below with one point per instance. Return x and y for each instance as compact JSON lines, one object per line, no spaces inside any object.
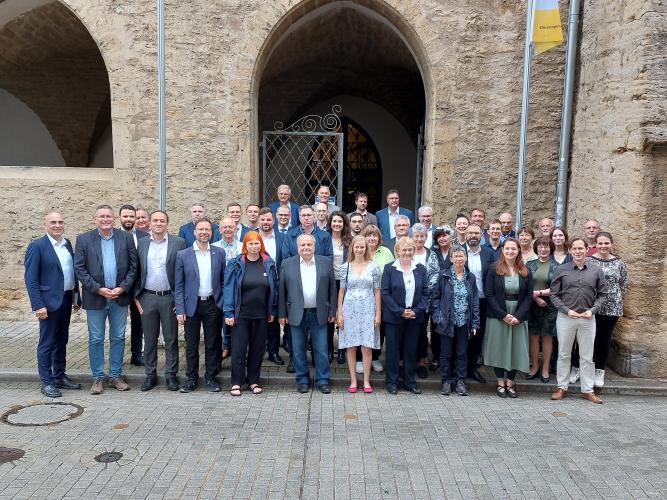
{"x":351,"y":50}
{"x":55,"y":97}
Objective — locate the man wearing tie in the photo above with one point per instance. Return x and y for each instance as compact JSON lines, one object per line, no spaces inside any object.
{"x":153,"y":298}
{"x":105,"y":262}
{"x":53,"y":292}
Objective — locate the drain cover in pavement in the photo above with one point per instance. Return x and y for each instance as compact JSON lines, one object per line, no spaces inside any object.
{"x":41,"y":414}
{"x":10,"y":454}
{"x":108,"y":457}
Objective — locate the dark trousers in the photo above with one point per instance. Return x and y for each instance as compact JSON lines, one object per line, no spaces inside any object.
{"x":403,"y":336}
{"x":273,"y":337}
{"x":454,"y":348}
{"x":604,"y":328}
{"x":287,"y":339}
{"x":225,"y":341}
{"x":248,"y":348}
{"x":476,"y":342}
{"x":209,"y":316}
{"x":136,"y":330}
{"x":52,"y":345}
{"x":500,"y":373}
{"x":435,"y":344}
{"x":159,"y":312}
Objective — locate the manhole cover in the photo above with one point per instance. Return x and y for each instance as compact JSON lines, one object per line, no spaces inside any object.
{"x":10,"y":454}
{"x":108,"y":457}
{"x":41,"y":414}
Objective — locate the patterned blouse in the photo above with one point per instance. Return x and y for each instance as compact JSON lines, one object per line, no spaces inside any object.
{"x":460,"y":298}
{"x":616,"y":279}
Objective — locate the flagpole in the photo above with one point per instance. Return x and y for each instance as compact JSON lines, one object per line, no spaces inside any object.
{"x":524,"y":115}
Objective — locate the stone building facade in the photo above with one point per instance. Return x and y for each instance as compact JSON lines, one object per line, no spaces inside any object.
{"x":86,"y":72}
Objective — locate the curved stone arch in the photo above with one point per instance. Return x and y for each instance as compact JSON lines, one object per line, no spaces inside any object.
{"x":377,"y":10}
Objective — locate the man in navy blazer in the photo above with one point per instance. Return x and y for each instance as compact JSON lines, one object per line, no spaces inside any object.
{"x":284,"y":194}
{"x":386,"y":217}
{"x":187,"y":230}
{"x":105,"y":262}
{"x":479,"y":260}
{"x":200,"y":272}
{"x":323,"y":243}
{"x":53,"y":292}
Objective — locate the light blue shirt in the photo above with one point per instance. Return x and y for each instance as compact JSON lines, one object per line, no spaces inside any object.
{"x":108,"y":261}
{"x":66,"y":263}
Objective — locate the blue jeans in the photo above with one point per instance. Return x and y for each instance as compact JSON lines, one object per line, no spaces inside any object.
{"x":318,"y":335}
{"x":96,"y":327}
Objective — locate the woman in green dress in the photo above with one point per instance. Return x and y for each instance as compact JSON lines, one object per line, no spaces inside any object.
{"x":509,"y":294}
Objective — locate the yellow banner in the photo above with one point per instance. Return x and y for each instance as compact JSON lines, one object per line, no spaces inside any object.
{"x":547,"y":29}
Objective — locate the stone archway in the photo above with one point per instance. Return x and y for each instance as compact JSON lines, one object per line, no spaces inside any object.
{"x":52,"y":70}
{"x":362,"y":50}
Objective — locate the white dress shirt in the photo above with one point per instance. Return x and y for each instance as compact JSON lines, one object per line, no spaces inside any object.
{"x":156,"y":265}
{"x":475,"y":267}
{"x":309,"y":283}
{"x":408,"y":282}
{"x":392,"y":220}
{"x":66,"y":262}
{"x":270,"y":244}
{"x":204,"y":265}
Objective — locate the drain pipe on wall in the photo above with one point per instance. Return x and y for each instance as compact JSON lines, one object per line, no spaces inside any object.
{"x":566,"y":113}
{"x":162,"y":131}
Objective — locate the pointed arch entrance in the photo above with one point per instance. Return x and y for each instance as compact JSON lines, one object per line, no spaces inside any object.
{"x":364,"y":52}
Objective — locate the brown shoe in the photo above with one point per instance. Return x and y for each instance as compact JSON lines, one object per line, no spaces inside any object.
{"x":590,"y":396}
{"x":97,"y":387}
{"x":559,"y":394}
{"x":226,"y":353}
{"x":119,"y":384}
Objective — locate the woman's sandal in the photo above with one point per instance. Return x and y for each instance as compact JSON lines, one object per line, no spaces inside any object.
{"x":501,"y":391}
{"x":256,"y":389}
{"x":235,"y":390}
{"x":511,"y":391}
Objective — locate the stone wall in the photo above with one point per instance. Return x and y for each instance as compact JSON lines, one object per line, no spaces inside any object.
{"x":619,"y":163}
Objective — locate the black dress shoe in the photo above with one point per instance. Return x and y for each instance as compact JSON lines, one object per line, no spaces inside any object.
{"x":531,"y":376}
{"x":341,"y":356}
{"x":434,"y":366}
{"x":422,"y":372}
{"x":189,"y":385}
{"x":137,"y":360}
{"x":149,"y":383}
{"x":414,"y":390}
{"x":545,"y":380}
{"x":331,"y":357}
{"x":302,"y":388}
{"x":213,"y":385}
{"x":66,"y":383}
{"x":172,"y":382}
{"x":51,"y":391}
{"x":477,"y":376}
{"x":275,"y":358}
{"x":324,"y":388}
{"x":392,"y":389}
{"x":290,"y":367}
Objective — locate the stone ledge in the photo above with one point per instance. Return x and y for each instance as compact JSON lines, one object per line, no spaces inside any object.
{"x":79,"y":174}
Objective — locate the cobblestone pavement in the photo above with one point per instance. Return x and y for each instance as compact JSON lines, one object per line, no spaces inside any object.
{"x":282,"y":444}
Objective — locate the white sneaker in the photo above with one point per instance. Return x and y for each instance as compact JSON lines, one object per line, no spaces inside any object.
{"x":359,"y":368}
{"x":574,"y":375}
{"x":599,"y":378}
{"x":376,"y":365}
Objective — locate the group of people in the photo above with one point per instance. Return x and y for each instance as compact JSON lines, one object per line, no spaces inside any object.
{"x":484,"y":293}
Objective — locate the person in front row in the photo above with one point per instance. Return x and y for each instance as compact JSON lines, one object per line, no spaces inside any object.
{"x":455,"y":316}
{"x":251,"y":283}
{"x":404,"y":303}
{"x":509,"y":295}
{"x":307,"y":300}
{"x":577,"y":290}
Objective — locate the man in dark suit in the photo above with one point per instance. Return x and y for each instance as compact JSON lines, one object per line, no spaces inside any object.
{"x":506,"y":221}
{"x":128,"y":217}
{"x":307,"y":301}
{"x":187,"y":230}
{"x":323,"y":244}
{"x":105,"y":262}
{"x":387,"y":216}
{"x":154,"y":299}
{"x":200,"y":271}
{"x":478,"y":262}
{"x":284,"y":194}
{"x":234,"y":213}
{"x":401,"y":228}
{"x":53,"y":292}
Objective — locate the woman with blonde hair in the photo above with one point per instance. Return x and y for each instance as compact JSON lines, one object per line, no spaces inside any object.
{"x":359,"y":310}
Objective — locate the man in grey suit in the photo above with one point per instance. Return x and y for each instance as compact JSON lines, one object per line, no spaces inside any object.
{"x":307,"y":300}
{"x":105,"y":262}
{"x":153,"y":296}
{"x":361,"y":202}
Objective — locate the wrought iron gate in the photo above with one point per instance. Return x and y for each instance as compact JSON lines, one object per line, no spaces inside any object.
{"x":304,"y":155}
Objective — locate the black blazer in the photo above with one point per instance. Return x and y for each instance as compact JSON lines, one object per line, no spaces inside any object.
{"x":393,"y":294}
{"x":174,"y":245}
{"x":486,"y":256}
{"x":89,"y":271}
{"x":494,"y":289}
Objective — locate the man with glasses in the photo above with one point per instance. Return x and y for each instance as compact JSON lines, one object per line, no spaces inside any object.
{"x":591,"y":230}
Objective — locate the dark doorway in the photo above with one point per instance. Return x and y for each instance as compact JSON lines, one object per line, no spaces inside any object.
{"x":362,"y":167}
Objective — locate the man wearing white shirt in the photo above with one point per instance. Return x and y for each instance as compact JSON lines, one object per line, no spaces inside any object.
{"x":284,"y":222}
{"x":321,"y":215}
{"x":252,"y":216}
{"x":425,"y":215}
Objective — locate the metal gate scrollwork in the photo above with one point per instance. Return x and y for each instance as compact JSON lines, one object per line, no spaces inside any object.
{"x":304,"y":155}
